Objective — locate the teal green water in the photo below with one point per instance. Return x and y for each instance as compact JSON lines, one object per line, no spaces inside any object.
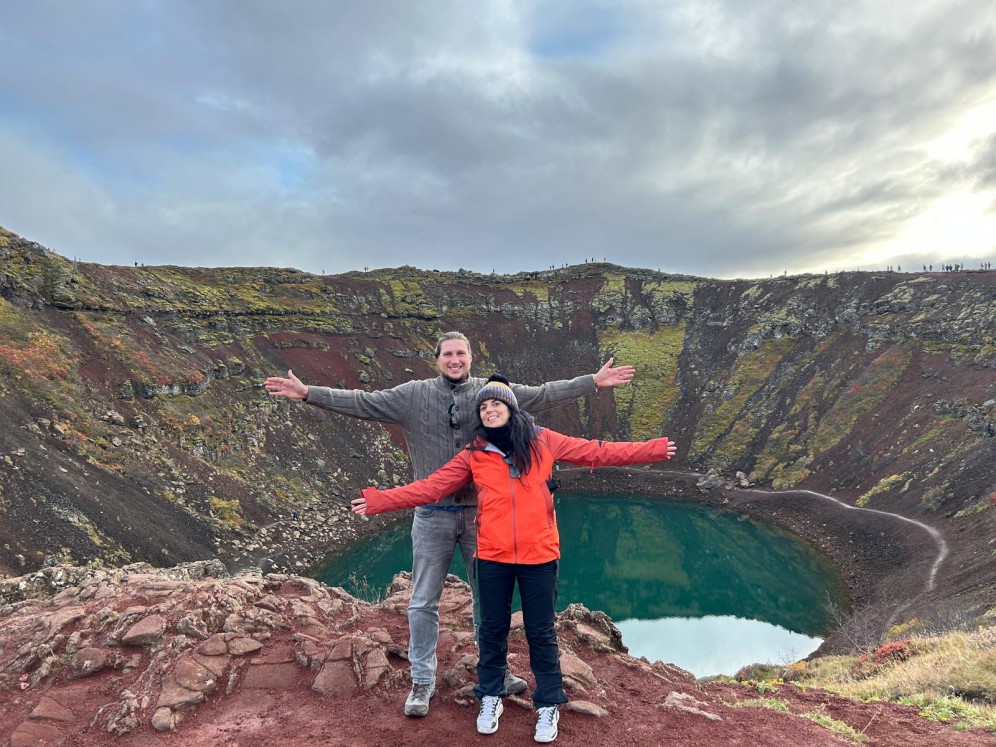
{"x":707,"y":589}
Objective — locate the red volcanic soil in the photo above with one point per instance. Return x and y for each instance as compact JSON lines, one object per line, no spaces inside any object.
{"x":185,"y":659}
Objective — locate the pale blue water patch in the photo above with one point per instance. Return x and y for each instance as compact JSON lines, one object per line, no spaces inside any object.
{"x":711,"y":645}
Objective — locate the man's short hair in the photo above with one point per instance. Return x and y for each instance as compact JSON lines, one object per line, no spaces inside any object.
{"x":451,"y":336}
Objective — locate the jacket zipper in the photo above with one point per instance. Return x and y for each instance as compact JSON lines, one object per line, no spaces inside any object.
{"x":515,"y":521}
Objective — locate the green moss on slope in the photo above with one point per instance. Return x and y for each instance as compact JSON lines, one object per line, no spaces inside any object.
{"x":646,"y":404}
{"x":749,"y":374}
{"x":861,"y":397}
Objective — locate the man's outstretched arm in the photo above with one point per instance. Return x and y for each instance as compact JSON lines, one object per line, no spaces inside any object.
{"x":384,"y":405}
{"x":553,"y":393}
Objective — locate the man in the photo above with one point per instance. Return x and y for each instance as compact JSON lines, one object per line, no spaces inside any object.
{"x":438,"y":419}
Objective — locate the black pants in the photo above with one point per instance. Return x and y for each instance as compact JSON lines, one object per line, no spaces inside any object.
{"x":538,"y":591}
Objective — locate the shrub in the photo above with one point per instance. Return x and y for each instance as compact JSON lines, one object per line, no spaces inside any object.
{"x":228,"y":511}
{"x":888,"y":653}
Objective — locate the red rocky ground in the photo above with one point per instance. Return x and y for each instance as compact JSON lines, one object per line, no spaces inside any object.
{"x":181,"y":657}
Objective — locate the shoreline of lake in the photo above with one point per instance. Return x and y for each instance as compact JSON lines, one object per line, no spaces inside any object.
{"x":686,"y":582}
{"x":882,"y":558}
{"x":882,"y":561}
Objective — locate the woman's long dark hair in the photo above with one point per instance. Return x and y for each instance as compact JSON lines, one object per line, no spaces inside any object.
{"x":522,"y":433}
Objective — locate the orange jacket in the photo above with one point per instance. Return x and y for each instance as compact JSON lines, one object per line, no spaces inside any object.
{"x":516,"y":522}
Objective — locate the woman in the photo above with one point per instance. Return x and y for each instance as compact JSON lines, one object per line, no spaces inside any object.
{"x":511,"y":461}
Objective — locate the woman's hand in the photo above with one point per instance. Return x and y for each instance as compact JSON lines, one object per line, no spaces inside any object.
{"x":360,"y":506}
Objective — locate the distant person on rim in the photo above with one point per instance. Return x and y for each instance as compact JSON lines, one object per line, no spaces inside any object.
{"x":510,"y":461}
{"x":438,"y":419}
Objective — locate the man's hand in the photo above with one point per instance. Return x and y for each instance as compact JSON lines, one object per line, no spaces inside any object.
{"x":359,"y":506}
{"x":609,"y":376}
{"x":291,"y":387}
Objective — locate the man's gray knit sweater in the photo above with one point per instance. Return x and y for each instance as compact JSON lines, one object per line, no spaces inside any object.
{"x":423,"y":410}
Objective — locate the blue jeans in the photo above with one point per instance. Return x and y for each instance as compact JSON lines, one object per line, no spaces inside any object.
{"x":538,"y":592}
{"x":435,"y":535}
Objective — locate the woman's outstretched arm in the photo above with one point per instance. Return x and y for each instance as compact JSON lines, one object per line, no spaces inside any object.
{"x":594,"y":453}
{"x":444,"y":481}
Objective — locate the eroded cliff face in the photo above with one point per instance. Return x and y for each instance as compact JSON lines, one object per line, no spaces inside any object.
{"x":134,"y":426}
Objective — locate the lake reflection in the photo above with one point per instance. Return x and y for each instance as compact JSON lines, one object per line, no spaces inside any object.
{"x":713,"y":645}
{"x":704,"y":588}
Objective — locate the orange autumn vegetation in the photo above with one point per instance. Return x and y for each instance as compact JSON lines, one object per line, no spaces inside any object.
{"x":37,"y":356}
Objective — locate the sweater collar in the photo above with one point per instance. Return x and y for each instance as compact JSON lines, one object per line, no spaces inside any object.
{"x":443,"y":383}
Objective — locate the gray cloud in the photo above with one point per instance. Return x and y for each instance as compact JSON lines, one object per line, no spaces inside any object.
{"x":712,"y":139}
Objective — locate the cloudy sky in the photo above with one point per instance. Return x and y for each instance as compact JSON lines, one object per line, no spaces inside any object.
{"x":720,"y":138}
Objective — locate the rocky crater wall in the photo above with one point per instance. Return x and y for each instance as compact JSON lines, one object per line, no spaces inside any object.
{"x":134,"y":426}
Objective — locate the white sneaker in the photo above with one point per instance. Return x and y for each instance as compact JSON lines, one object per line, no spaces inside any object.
{"x":546,"y":723}
{"x":487,"y":719}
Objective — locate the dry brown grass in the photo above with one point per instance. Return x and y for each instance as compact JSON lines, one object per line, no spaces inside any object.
{"x":949,"y":677}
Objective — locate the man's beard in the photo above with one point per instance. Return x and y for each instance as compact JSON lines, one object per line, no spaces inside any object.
{"x":463,"y":378}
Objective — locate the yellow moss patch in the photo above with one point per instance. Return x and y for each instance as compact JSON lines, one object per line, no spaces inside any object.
{"x":614,"y":286}
{"x":884,"y":485}
{"x":229,"y":512}
{"x":539,"y":291}
{"x":646,"y":403}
